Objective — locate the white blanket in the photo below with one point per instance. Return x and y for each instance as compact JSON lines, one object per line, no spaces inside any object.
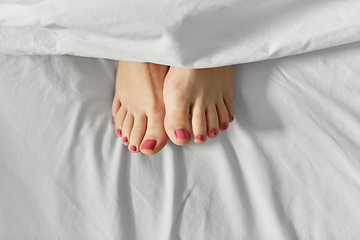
{"x":192,"y":33}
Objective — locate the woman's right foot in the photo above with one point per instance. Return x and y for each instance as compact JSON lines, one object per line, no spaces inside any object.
{"x":138,"y":108}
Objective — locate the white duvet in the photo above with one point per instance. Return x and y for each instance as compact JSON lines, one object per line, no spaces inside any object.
{"x":191,"y":33}
{"x":287,"y":168}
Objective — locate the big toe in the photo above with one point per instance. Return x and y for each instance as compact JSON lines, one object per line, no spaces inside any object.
{"x":177,"y":123}
{"x":155,"y":136}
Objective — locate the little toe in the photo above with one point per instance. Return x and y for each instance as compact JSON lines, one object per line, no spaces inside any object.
{"x":119,"y":120}
{"x":115,"y":108}
{"x":212,"y":121}
{"x":229,"y":103}
{"x":127,"y":127}
{"x":223,"y":116}
{"x":177,"y":124}
{"x":137,"y":133}
{"x":155,"y":137}
{"x":198,"y":123}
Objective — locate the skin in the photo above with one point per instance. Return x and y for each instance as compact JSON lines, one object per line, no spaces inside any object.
{"x":156,"y":102}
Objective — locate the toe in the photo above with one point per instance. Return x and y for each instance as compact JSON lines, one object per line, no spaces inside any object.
{"x":177,"y":124}
{"x":155,"y":137}
{"x":198,"y":123}
{"x":230,"y":107}
{"x":212,"y":121}
{"x":127,"y":127}
{"x":137,"y":133}
{"x":119,"y":120}
{"x":223,"y":116}
{"x":115,"y":108}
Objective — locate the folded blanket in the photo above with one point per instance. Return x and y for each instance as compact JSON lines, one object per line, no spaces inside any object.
{"x":191,"y":33}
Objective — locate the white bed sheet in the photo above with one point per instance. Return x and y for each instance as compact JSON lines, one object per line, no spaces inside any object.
{"x":287,"y":168}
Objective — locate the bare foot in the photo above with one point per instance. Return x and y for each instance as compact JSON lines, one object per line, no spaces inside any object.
{"x":138,"y":107}
{"x":205,"y":96}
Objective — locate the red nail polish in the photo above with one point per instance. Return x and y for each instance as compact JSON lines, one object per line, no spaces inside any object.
{"x":214,"y":132}
{"x":125,"y":140}
{"x":224,"y":126}
{"x":232,"y":118}
{"x":133,"y":148}
{"x":149,"y":144}
{"x":118,"y":132}
{"x":182,"y":134}
{"x":200,"y":138}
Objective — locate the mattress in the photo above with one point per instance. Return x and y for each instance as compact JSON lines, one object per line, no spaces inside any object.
{"x":288,"y":167}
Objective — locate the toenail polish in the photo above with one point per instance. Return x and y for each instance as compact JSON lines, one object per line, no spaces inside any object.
{"x":133,"y":148}
{"x":224,"y":126}
{"x":182,"y":134}
{"x":125,"y":140}
{"x":149,"y":144}
{"x":232,"y":118}
{"x":214,"y":132}
{"x":201,"y":138}
{"x":118,"y":132}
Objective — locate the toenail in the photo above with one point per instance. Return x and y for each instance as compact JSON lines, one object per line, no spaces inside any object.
{"x":125,"y":139}
{"x":232,"y":118}
{"x":118,"y":132}
{"x":201,"y":138}
{"x":113,"y":119}
{"x":182,"y":134}
{"x":224,"y":126}
{"x":149,"y":144}
{"x":133,"y":148}
{"x":214,"y":132}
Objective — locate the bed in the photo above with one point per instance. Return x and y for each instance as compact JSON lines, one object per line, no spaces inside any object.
{"x":287,"y":168}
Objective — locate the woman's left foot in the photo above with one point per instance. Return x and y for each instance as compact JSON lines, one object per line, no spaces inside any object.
{"x":205,"y":96}
{"x":138,"y":108}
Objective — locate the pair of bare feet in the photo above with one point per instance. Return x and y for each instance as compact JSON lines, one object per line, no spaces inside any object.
{"x":153,"y":103}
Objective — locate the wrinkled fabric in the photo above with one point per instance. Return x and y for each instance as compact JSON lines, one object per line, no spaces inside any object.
{"x":287,"y":168}
{"x":192,"y":34}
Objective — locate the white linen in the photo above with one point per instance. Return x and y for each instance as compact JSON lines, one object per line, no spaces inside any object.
{"x":287,"y":168}
{"x":192,"y":33}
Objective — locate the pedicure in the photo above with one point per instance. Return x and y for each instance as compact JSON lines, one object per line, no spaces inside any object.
{"x":200,"y":138}
{"x":133,"y":148}
{"x":182,"y":134}
{"x":224,"y":126}
{"x":214,"y":132}
{"x":232,"y":118}
{"x":118,"y":132}
{"x":149,"y":144}
{"x":125,"y":140}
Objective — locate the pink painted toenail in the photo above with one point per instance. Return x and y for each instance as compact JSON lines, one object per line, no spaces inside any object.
{"x":133,"y":148}
{"x":214,"y":132}
{"x":149,"y":144}
{"x":118,"y":132}
{"x":201,"y":138}
{"x":182,"y":134}
{"x":125,"y":140}
{"x":224,"y":126}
